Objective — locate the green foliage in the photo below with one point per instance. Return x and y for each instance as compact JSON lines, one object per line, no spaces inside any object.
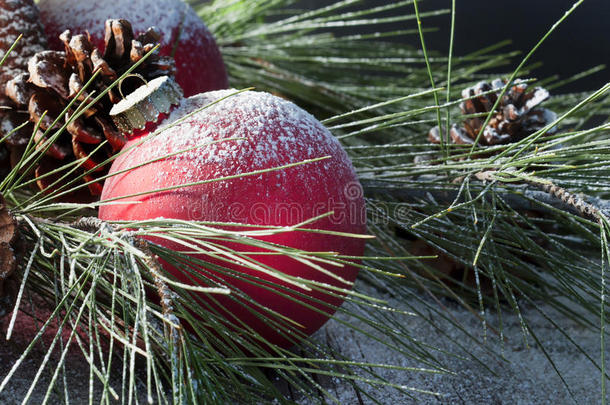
{"x":478,"y":206}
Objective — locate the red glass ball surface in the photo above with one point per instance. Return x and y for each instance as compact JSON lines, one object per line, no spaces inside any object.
{"x":275,"y":132}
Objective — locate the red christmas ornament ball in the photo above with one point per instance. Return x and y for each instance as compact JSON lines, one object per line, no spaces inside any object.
{"x":275,"y":132}
{"x":199,"y":65}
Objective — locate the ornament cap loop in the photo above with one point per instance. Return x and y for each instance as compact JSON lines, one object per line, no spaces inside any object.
{"x":146,"y":104}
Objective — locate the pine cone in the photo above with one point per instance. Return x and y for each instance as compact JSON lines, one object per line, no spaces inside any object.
{"x":17,"y":17}
{"x":517,"y":115}
{"x":8,"y":241}
{"x":55,"y":78}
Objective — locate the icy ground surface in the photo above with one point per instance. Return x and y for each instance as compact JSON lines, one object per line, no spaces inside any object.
{"x":525,"y":377}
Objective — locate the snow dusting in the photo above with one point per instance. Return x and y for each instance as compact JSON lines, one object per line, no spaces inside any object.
{"x":222,"y":144}
{"x":276,"y":133}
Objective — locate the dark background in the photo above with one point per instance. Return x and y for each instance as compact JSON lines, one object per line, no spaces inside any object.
{"x":581,"y":42}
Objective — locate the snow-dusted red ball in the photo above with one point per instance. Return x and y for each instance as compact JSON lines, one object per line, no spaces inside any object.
{"x":276,"y":132}
{"x":199,"y":65}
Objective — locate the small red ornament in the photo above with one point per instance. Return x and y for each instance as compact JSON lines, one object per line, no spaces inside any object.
{"x":199,"y":65}
{"x":275,"y":132}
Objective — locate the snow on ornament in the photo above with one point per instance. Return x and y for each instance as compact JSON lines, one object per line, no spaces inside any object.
{"x":199,"y":65}
{"x":272,"y":132}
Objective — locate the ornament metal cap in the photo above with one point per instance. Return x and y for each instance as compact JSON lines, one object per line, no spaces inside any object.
{"x":146,"y":104}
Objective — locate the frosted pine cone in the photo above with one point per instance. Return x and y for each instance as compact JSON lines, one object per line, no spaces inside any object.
{"x":16,"y":17}
{"x":517,"y":115}
{"x":9,"y":240}
{"x":55,"y":78}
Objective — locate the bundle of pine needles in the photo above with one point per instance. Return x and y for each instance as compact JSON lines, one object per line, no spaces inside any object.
{"x":499,"y":212}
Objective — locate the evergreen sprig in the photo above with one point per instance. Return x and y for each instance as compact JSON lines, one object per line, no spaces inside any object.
{"x":98,"y":288}
{"x":487,"y":208}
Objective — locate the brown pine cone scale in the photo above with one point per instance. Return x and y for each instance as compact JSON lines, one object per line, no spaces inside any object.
{"x":17,"y":17}
{"x":8,"y":238}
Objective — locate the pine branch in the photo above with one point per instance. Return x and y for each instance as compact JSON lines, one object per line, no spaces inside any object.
{"x":100,"y":276}
{"x":519,"y":197}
